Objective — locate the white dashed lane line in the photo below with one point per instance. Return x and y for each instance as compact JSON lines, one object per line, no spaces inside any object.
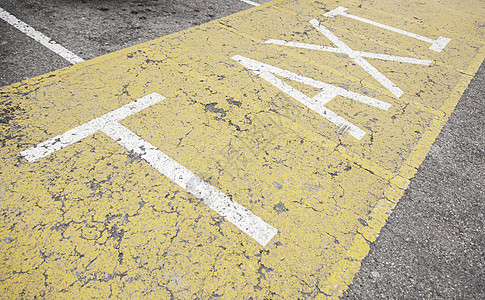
{"x":40,"y":37}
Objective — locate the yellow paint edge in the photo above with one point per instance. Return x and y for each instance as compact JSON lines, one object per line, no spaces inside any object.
{"x":343,"y":273}
{"x":124,"y":51}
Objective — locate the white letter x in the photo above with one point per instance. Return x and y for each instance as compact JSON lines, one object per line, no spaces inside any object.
{"x":356,"y":56}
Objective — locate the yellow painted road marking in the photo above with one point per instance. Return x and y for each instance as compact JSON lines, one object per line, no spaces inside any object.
{"x":94,"y":219}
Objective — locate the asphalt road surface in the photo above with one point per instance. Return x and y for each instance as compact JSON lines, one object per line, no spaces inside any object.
{"x":433,"y":246}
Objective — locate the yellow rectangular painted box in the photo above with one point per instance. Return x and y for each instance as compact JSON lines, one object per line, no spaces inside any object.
{"x":311,"y":115}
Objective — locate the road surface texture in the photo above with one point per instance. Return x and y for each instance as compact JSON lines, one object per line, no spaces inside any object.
{"x":433,"y":244}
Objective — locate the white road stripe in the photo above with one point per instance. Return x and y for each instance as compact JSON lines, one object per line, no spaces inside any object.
{"x":242,"y":218}
{"x":436,"y":45}
{"x":78,"y":133}
{"x":260,"y":68}
{"x":316,"y":103}
{"x":245,"y":220}
{"x":403,"y":59}
{"x":250,"y":2}
{"x":39,"y":37}
{"x":388,"y":84}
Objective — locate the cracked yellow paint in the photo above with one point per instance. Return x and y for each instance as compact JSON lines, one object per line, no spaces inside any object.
{"x":94,"y":220}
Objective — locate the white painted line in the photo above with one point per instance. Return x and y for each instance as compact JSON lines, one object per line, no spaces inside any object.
{"x":324,"y":97}
{"x":436,"y":45}
{"x":355,"y":56}
{"x":335,"y":12}
{"x":250,"y":2}
{"x":409,"y":60}
{"x":440,"y":44}
{"x":242,"y":218}
{"x":39,"y":37}
{"x":245,"y":220}
{"x":78,"y":133}
{"x":316,"y":103}
{"x":402,"y":59}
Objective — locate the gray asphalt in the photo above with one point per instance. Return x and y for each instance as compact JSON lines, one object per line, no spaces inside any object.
{"x":433,"y":246}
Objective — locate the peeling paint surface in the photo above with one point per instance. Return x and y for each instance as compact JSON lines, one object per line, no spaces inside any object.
{"x":94,"y":220}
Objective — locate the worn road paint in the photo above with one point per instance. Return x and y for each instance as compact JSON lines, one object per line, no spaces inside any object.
{"x":80,"y":132}
{"x":211,"y":196}
{"x":436,"y":45}
{"x":39,"y":37}
{"x":317,"y":102}
{"x":408,"y":60}
{"x":396,"y":91}
{"x":250,"y":2}
{"x":108,"y":123}
{"x":96,"y":220}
